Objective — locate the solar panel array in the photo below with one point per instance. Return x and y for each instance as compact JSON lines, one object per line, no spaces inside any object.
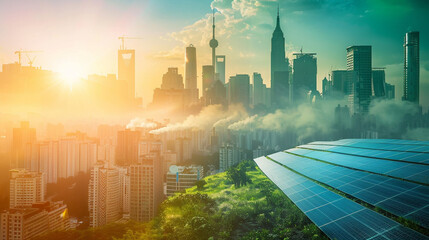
{"x":396,"y":186}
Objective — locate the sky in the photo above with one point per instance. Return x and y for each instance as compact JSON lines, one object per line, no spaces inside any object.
{"x":81,"y":37}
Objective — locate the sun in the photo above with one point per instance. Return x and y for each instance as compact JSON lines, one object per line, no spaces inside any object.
{"x":70,"y":74}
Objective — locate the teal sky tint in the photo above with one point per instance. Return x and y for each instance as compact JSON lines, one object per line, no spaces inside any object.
{"x":244,"y":30}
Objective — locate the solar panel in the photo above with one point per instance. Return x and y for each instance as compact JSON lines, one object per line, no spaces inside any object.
{"x":412,"y":172}
{"x":381,"y":144}
{"x":336,"y":216}
{"x":376,"y":190}
{"x":416,"y":157}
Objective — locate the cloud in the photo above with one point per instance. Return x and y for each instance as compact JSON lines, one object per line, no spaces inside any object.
{"x":247,"y":55}
{"x":306,"y":120}
{"x":390,"y":114}
{"x":208,"y":117}
{"x":141,"y":123}
{"x":175,"y":54}
{"x":420,"y":134}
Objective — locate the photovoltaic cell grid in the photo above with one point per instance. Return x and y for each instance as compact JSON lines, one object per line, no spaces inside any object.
{"x":381,"y":144}
{"x":405,"y":199}
{"x":336,"y":216}
{"x":404,"y":170}
{"x":421,"y":158}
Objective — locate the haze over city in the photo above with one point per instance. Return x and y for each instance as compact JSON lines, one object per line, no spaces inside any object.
{"x":214,"y":119}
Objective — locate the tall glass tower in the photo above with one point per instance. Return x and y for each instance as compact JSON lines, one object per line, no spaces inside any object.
{"x":278,"y":62}
{"x":411,"y":67}
{"x":191,"y":68}
{"x":279,"y":68}
{"x":359,"y":65}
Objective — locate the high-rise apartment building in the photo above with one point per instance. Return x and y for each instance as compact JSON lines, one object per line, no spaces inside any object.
{"x":146,"y":189}
{"x":21,"y":137}
{"x":26,"y":188}
{"x":124,"y":185}
{"x":183,"y":149}
{"x":104,"y":199}
{"x":149,"y":145}
{"x":411,"y":67}
{"x":127,"y":147}
{"x":76,"y":153}
{"x":228,"y":156}
{"x":359,"y":65}
{"x":48,"y":160}
{"x":36,"y":220}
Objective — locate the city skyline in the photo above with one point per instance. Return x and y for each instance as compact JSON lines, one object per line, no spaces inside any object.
{"x":208,"y":119}
{"x":238,"y":26}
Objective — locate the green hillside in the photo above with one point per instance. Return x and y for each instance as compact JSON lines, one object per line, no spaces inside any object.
{"x":239,"y":204}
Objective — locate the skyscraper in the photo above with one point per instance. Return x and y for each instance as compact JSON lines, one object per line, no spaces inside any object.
{"x":280,"y":87}
{"x":326,"y":88}
{"x":390,"y":91}
{"x":258,"y":89}
{"x":191,"y":67}
{"x":191,"y":90}
{"x":220,"y":68}
{"x":379,"y":82}
{"x":127,"y":72}
{"x":216,"y":94}
{"x":340,"y":82}
{"x":21,"y":138}
{"x":103,"y":196}
{"x":411,"y":67}
{"x":279,"y":81}
{"x":146,"y":190}
{"x":127,"y":147}
{"x":26,"y":188}
{"x":172,"y":79}
{"x":359,"y":65}
{"x":304,"y":75}
{"x":239,"y":92}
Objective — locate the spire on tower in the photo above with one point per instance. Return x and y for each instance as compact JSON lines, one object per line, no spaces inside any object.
{"x":213,"y":44}
{"x":278,"y":15}
{"x":213,"y":20}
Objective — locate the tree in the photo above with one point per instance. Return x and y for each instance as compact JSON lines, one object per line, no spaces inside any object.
{"x":200,"y":184}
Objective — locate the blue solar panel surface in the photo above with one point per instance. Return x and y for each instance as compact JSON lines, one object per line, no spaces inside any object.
{"x":405,"y":170}
{"x":336,"y":216}
{"x":390,"y":174}
{"x":380,"y":191}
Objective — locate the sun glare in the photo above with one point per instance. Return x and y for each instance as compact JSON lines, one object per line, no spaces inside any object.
{"x":70,"y":74}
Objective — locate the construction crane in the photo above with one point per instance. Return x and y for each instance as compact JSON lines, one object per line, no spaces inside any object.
{"x":122,"y":38}
{"x":20,"y":52}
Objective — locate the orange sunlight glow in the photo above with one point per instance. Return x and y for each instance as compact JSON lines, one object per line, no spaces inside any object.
{"x":70,"y":73}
